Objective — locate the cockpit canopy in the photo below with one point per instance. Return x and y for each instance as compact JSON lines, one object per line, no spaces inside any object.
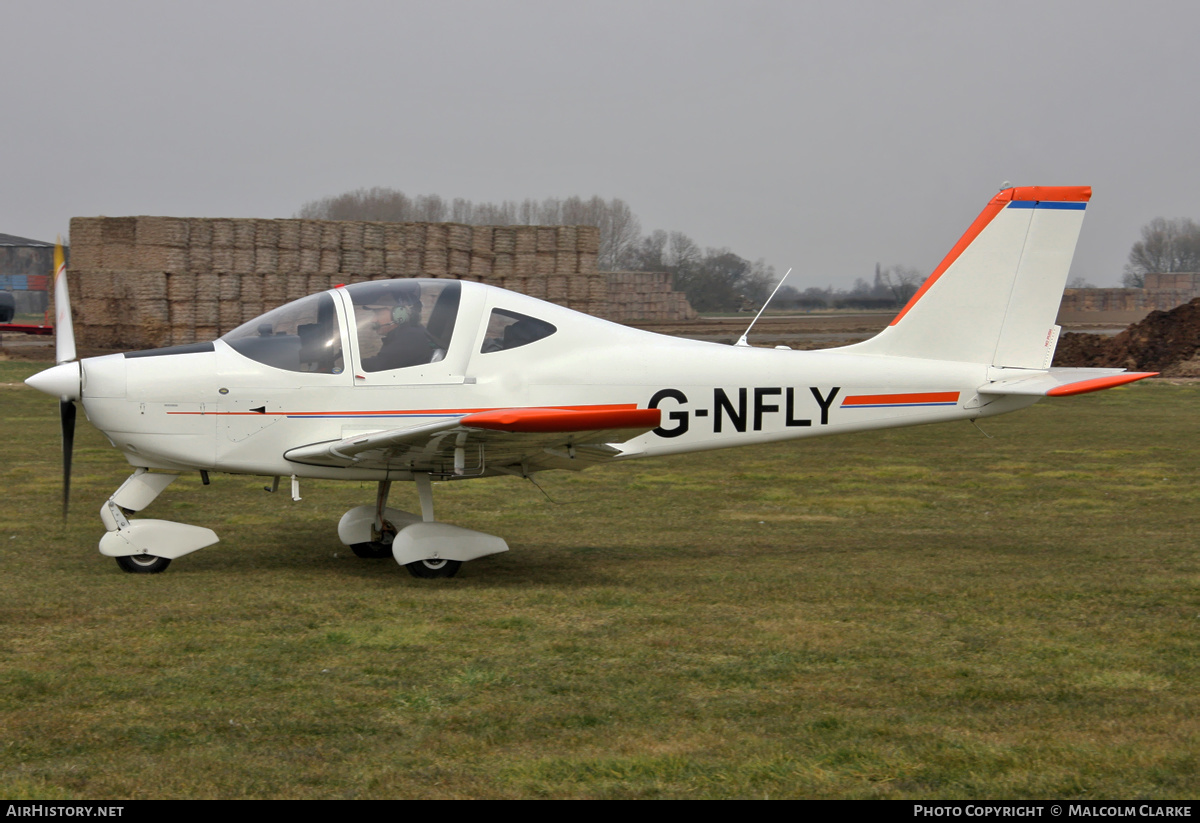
{"x":398,"y":323}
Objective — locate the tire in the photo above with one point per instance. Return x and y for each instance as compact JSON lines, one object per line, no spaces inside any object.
{"x":434,"y":568}
{"x":143,"y":564}
{"x":372,"y":550}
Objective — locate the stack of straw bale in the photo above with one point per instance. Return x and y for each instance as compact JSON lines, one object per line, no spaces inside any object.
{"x":145,"y":282}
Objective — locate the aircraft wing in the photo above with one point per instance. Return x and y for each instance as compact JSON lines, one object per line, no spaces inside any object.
{"x":529,"y":439}
{"x":1063,"y":382}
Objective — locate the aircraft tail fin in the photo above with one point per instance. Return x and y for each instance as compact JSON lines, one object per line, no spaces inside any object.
{"x":995,"y":296}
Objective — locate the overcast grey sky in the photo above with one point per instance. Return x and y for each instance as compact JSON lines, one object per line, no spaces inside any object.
{"x":822,"y":135}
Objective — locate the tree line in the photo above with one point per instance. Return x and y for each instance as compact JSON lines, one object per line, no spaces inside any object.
{"x":714,"y":279}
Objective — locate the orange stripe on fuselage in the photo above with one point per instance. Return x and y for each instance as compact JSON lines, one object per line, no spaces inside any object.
{"x":893,"y":399}
{"x":1070,"y":194}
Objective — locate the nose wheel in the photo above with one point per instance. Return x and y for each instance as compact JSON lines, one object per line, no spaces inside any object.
{"x":143,"y":563}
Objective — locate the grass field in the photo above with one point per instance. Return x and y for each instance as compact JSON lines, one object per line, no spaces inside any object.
{"x":920,"y":613}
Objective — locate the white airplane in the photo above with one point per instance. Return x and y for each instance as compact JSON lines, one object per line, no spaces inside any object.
{"x":428,"y":380}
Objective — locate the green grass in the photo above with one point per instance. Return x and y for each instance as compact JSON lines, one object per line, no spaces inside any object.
{"x":914,"y":613}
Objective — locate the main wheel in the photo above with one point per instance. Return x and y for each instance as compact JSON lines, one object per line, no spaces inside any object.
{"x":434,"y":568}
{"x":143,"y":563}
{"x":372,"y":550}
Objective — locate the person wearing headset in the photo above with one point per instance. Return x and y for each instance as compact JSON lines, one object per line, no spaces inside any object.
{"x":404,"y":340}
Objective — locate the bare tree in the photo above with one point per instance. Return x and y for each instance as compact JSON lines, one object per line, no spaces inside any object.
{"x":1165,"y":246}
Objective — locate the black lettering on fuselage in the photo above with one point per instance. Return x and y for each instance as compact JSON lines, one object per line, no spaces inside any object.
{"x":761,"y":408}
{"x":824,"y":402}
{"x":791,"y":420}
{"x":680,"y":417}
{"x":736,"y":417}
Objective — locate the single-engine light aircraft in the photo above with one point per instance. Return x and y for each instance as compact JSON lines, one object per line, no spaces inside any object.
{"x":428,"y":380}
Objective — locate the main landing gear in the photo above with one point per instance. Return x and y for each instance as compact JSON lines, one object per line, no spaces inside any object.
{"x":423,"y":546}
{"x":419,"y":543}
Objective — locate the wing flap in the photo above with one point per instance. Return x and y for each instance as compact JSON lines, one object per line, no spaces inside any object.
{"x":537,"y":438}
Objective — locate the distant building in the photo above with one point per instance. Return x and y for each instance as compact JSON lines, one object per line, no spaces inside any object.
{"x":26,"y":269}
{"x":1163,"y":292}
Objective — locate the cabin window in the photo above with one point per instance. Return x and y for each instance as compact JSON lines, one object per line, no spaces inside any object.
{"x":303,"y":336}
{"x":403,"y":323}
{"x":510,"y":330}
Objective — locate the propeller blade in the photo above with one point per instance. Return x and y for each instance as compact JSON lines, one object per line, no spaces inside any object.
{"x":66,"y":410}
{"x":64,"y":330}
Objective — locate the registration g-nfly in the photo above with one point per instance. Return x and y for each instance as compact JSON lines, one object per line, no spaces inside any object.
{"x":422,"y":380}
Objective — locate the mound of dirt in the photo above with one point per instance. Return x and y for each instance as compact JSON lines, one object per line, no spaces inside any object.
{"x":1164,"y":341}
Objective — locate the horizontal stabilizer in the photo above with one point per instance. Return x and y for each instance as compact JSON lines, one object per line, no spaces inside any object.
{"x":1063,"y":382}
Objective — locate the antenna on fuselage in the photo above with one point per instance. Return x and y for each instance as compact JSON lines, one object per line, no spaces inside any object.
{"x":742,"y":340}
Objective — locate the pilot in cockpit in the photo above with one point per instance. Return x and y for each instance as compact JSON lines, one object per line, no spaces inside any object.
{"x":403,"y":340}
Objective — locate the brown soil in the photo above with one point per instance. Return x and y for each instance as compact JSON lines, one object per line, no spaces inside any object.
{"x":1165,"y":341}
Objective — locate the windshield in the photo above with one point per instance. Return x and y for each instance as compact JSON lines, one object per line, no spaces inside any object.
{"x":303,"y":336}
{"x":402,"y":323}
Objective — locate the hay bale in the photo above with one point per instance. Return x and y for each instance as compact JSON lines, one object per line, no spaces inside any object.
{"x":206,"y":332}
{"x":314,"y":283}
{"x":86,"y":243}
{"x":331,"y":261}
{"x":352,"y":235}
{"x":207,"y":314}
{"x":536,"y":287}
{"x":244,"y":259}
{"x":161,"y":231}
{"x":577,"y":289}
{"x":525,"y":265}
{"x":296,"y":285}
{"x":458,"y":237}
{"x":395,"y":236}
{"x":459,"y":263}
{"x":229,"y":312}
{"x":352,"y":260}
{"x":504,"y":240}
{"x":181,"y":287}
{"x":222,"y":258}
{"x":200,"y":232}
{"x":331,"y":235}
{"x":481,"y":239}
{"x":222,"y":234}
{"x":436,"y":238}
{"x":566,"y":262}
{"x":503,"y":265}
{"x":310,"y":259}
{"x":119,"y":257}
{"x":481,"y":267}
{"x":289,"y":234}
{"x":148,"y":286}
{"x":513,"y":283}
{"x":373,"y":236}
{"x":274,"y":290}
{"x":587,"y":239}
{"x":394,"y":262}
{"x":243,"y":234}
{"x":229,"y":286}
{"x":266,"y":234}
{"x":200,"y":258}
{"x":160,"y":258}
{"x":547,"y":238}
{"x":588,"y":262}
{"x":118,"y":230}
{"x":289,"y":260}
{"x":208,"y":287}
{"x":414,"y":236}
{"x":250,"y":288}
{"x":94,"y":285}
{"x":373,"y":262}
{"x":436,"y":262}
{"x":545,"y":263}
{"x":310,"y":234}
{"x":251,"y":310}
{"x":525,"y":241}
